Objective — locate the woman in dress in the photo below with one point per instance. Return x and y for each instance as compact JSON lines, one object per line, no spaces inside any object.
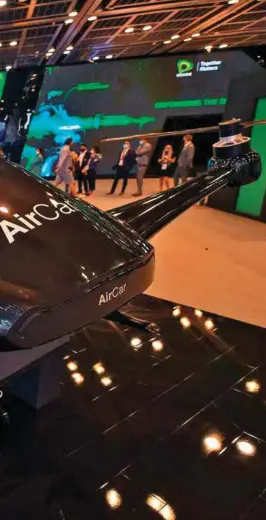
{"x":37,"y":164}
{"x":91,"y":167}
{"x":166,"y":161}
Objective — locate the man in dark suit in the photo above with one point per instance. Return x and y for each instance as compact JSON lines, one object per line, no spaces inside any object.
{"x":185,"y":161}
{"x":125,"y":163}
{"x":81,"y":172}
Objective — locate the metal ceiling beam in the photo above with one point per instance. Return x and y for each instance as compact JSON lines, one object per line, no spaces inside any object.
{"x":153,"y":8}
{"x":229,"y":11}
{"x":88,"y":9}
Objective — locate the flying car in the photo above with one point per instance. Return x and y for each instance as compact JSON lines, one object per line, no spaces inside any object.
{"x":65,"y":263}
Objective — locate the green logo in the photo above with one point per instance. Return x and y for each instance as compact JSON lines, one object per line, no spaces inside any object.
{"x":185,"y":67}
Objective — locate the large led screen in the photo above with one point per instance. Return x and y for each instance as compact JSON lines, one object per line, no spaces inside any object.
{"x":91,"y":101}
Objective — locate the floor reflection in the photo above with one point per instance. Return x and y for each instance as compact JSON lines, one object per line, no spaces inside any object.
{"x":169,"y":424}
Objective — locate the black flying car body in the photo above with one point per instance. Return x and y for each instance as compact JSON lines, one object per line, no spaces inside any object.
{"x":65,"y":263}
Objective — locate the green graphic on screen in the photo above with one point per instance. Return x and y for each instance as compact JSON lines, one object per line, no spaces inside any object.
{"x":92,"y":101}
{"x":184,"y":66}
{"x":2,"y":83}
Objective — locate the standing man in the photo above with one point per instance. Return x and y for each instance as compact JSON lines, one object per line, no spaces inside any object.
{"x":64,"y":169}
{"x":142,"y":160}
{"x":185,"y":161}
{"x":81,"y":172}
{"x":126,"y":161}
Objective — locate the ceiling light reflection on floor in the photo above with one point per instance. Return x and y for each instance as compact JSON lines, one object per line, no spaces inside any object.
{"x":209,"y":325}
{"x":78,"y":378}
{"x":72,"y":366}
{"x":159,"y":505}
{"x":198,"y":313}
{"x":113,"y":498}
{"x":99,"y":368}
{"x":212,"y":443}
{"x":246,"y":448}
{"x":135,"y":342}
{"x":167,"y":513}
{"x":185,"y":322}
{"x":176,"y":311}
{"x":157,"y":345}
{"x":252,"y":386}
{"x":106,"y":381}
{"x":155,"y":502}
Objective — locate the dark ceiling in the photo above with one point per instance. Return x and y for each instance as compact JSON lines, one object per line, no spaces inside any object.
{"x":39,"y":25}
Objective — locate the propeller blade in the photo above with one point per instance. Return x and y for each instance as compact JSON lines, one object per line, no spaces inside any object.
{"x":163,"y":134}
{"x":254,"y":123}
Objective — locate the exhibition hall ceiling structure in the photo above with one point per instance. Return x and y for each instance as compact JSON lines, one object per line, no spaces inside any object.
{"x":49,"y":32}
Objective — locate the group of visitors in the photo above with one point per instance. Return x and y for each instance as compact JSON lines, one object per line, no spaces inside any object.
{"x":82,"y":166}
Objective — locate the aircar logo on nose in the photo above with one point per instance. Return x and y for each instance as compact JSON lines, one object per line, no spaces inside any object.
{"x":109,"y":296}
{"x":36,"y":218}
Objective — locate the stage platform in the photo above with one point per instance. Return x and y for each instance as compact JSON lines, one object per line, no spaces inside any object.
{"x":206,"y":258}
{"x":149,"y":425}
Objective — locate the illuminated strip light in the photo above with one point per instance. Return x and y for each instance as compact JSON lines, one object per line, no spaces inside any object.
{"x":190,"y":103}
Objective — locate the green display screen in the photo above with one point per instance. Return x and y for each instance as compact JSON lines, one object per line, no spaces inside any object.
{"x":109,"y":99}
{"x":250,"y":198}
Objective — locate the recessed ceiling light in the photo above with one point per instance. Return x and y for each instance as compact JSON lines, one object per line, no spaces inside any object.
{"x":66,"y":52}
{"x":175,"y":37}
{"x":223,"y":46}
{"x":69,"y":48}
{"x":233,"y":1}
{"x":68,"y":21}
{"x":166,"y":42}
{"x":187,"y":39}
{"x":48,"y":54}
{"x":2,"y":3}
{"x":13,"y":44}
{"x":73,"y":14}
{"x":195,"y":35}
{"x":129,"y":30}
{"x":1,"y":44}
{"x":208,"y":48}
{"x":96,"y":58}
{"x":108,"y":57}
{"x":51,"y":50}
{"x":92,"y":18}
{"x":147,"y":27}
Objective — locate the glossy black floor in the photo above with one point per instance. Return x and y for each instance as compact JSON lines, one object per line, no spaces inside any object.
{"x":172,"y":428}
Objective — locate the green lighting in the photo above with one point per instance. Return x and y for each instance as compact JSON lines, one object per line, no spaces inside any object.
{"x":85,"y":87}
{"x":204,"y":102}
{"x":250,"y":198}
{"x":2,"y":83}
